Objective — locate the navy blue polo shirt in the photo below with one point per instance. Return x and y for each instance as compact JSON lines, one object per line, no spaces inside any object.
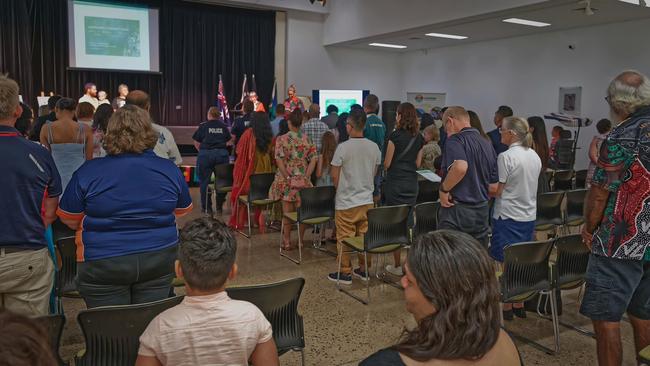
{"x":495,"y":137}
{"x":212,"y":134}
{"x":28,"y":174}
{"x":470,"y":146}
{"x":126,"y":204}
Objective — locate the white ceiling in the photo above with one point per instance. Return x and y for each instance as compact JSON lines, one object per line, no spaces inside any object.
{"x":490,"y":26}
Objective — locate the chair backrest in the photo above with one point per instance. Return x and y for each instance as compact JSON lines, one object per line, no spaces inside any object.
{"x":112,"y":333}
{"x":65,"y":277}
{"x":572,"y":260}
{"x":387,"y":225}
{"x":260,"y":185}
{"x":223,"y":175}
{"x":575,"y":201}
{"x":565,"y":153}
{"x":563,"y":180}
{"x":525,"y":269}
{"x":316,"y":202}
{"x":581,"y":178}
{"x":279,"y":303}
{"x":53,"y":325}
{"x":427,"y":191}
{"x":549,"y":208}
{"x":426,"y":218}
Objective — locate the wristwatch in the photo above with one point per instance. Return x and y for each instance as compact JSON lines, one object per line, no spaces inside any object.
{"x":442,"y":189}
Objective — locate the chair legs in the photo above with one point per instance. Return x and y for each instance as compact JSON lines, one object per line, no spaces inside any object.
{"x":365,"y":301}
{"x":318,"y":246}
{"x":556,"y":329}
{"x":382,"y":275}
{"x":560,"y":322}
{"x":299,"y":260}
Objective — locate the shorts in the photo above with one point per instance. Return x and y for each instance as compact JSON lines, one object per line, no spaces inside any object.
{"x":509,"y":231}
{"x":615,"y":286}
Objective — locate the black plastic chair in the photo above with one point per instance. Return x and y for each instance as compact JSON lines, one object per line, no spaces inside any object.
{"x":258,"y":195}
{"x":563,"y":180}
{"x":549,"y":211}
{"x":112,"y":333}
{"x":426,"y":218}
{"x":581,"y":179}
{"x":53,"y":325}
{"x":387,"y":232}
{"x":223,"y":178}
{"x":575,"y":201}
{"x":526,"y":272}
{"x":279,"y":303}
{"x":65,"y":279}
{"x":428,"y":191}
{"x":565,"y":149}
{"x":570,"y":269}
{"x":549,"y":181}
{"x":316,"y":207}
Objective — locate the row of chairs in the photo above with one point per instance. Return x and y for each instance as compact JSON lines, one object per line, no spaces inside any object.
{"x":564,"y":180}
{"x":112,"y":333}
{"x":552,"y":216}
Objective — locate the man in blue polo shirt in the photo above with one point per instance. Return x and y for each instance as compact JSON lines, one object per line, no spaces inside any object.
{"x":29,"y":190}
{"x":495,"y":135}
{"x":375,"y":131}
{"x":469,"y":169}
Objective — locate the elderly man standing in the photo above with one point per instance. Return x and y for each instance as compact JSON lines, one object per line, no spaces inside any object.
{"x":617,"y":222}
{"x":469,"y":169}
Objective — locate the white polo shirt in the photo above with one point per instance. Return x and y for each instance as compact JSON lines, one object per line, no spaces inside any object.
{"x":519,"y":170}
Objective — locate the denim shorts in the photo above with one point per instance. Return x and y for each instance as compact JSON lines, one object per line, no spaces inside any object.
{"x":615,"y":286}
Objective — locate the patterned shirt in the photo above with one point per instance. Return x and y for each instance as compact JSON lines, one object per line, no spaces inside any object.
{"x":623,"y":165}
{"x":314,"y":129}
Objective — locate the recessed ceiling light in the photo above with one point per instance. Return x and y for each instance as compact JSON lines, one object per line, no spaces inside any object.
{"x":387,"y":45}
{"x":443,"y":35}
{"x":531,"y":23}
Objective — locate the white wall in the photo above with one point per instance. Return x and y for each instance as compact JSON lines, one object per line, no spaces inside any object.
{"x":527,"y":72}
{"x":312,"y":66}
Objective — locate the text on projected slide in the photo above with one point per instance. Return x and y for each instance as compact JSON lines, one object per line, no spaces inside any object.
{"x":112,"y":37}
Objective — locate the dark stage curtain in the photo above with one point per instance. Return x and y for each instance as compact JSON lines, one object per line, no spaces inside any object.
{"x":197,"y":43}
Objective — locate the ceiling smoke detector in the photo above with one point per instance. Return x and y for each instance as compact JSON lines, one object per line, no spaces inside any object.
{"x":322,"y":2}
{"x":585,"y":6}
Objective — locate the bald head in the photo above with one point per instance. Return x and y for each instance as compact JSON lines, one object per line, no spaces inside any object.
{"x":455,"y":119}
{"x":628,"y":92}
{"x":138,"y":98}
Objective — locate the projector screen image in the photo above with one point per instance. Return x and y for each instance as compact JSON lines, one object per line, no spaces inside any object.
{"x":113,"y":36}
{"x":342,"y":99}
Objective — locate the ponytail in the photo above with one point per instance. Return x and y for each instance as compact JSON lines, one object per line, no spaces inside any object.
{"x":528,"y":140}
{"x":520,"y":127}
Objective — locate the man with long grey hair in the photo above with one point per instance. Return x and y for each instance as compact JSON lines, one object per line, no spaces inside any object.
{"x":617,"y":222}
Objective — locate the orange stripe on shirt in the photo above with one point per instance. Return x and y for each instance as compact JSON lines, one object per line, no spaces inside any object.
{"x":80,"y":241}
{"x":69,"y":215}
{"x":183,"y":211}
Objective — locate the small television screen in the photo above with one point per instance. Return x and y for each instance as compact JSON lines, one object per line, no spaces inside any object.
{"x":342,"y":99}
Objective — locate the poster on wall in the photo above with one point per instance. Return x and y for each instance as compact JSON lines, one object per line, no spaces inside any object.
{"x":426,"y":101}
{"x":570,"y":101}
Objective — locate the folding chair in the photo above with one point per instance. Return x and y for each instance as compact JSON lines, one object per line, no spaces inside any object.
{"x":549,"y":211}
{"x":426,"y":218}
{"x":575,"y":201}
{"x":258,"y":196}
{"x":316,"y":207}
{"x":53,"y":325}
{"x":526,"y":272}
{"x":65,"y":284}
{"x":581,"y":178}
{"x":387,"y":232}
{"x":569,"y":270}
{"x":644,"y":355}
{"x":112,"y":333}
{"x":279,"y":304}
{"x":427,"y":191}
{"x":563,"y":180}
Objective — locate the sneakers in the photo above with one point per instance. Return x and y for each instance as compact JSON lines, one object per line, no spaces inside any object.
{"x":343,"y":278}
{"x":395,"y":271}
{"x":362,"y":275}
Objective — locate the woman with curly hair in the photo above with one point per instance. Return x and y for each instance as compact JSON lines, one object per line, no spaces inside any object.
{"x":124,"y":208}
{"x":403,"y":158}
{"x":254,"y":156}
{"x":452,"y":292}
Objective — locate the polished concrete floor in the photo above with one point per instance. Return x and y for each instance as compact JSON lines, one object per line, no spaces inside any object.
{"x":342,"y":331}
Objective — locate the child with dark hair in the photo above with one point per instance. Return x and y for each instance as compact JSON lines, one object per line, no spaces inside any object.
{"x":208,"y":327}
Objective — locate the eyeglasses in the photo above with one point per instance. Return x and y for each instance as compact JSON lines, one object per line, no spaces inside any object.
{"x":608,"y":99}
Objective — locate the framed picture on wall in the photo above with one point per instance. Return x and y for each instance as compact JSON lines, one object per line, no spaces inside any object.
{"x":571,"y":101}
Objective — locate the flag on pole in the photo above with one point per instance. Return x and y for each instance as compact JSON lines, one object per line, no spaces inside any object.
{"x":222,"y":103}
{"x":274,"y":99}
{"x":254,"y":88}
{"x":244,"y":90}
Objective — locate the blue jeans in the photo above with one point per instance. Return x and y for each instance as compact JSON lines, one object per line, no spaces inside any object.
{"x":205,"y":164}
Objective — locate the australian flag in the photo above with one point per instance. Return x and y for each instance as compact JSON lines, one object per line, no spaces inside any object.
{"x":222,"y":104}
